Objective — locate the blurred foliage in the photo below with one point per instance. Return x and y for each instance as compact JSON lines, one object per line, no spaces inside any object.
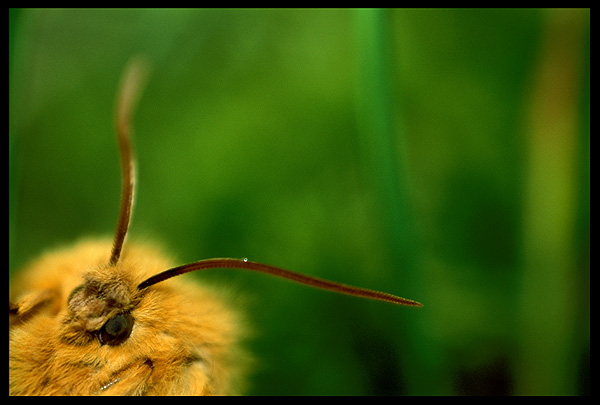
{"x":427,"y":153}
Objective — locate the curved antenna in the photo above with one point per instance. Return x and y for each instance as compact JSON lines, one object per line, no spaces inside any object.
{"x":245,"y":264}
{"x":131,"y":84}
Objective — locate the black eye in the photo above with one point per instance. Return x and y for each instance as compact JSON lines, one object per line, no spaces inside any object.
{"x":116,"y":330}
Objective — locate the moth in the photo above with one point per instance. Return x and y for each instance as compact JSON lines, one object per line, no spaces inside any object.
{"x":109,"y":318}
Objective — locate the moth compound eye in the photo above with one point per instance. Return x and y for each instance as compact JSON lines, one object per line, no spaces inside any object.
{"x":116,"y":330}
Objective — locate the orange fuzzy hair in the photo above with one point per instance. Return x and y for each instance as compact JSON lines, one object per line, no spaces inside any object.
{"x":184,"y":341}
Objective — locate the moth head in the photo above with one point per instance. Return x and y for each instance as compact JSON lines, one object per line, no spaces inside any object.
{"x":100,"y":308}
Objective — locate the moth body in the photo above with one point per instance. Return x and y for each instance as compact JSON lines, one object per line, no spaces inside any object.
{"x":184,"y":340}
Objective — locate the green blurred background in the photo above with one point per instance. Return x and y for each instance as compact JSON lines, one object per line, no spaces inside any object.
{"x":441,"y":155}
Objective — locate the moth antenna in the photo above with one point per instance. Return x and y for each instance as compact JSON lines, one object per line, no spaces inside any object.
{"x":128,"y":95}
{"x":245,"y":264}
